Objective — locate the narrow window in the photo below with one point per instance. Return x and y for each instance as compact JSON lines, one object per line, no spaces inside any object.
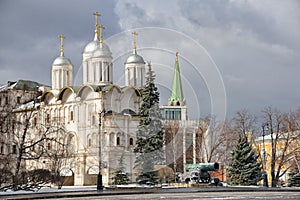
{"x":93,"y":120}
{"x":1,"y":150}
{"x":18,"y":100}
{"x":34,"y":121}
{"x":48,"y":118}
{"x":6,"y":100}
{"x":71,"y":116}
{"x":14,"y":149}
{"x":131,"y":141}
{"x":90,"y":142}
{"x":118,"y":141}
{"x":49,"y":146}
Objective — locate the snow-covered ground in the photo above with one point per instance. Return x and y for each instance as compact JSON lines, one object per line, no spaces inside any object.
{"x":53,"y":189}
{"x":86,"y":188}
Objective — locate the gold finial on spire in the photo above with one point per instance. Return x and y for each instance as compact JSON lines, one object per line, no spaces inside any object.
{"x":96,"y":14}
{"x":62,"y":50}
{"x":101,"y":33}
{"x":176,"y":55}
{"x":134,"y":41}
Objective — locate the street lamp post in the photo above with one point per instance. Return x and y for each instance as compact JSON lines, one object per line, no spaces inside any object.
{"x":265,"y":175}
{"x":99,"y":180}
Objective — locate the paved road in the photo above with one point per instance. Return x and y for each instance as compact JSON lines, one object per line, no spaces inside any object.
{"x":172,"y":194}
{"x":202,"y":196}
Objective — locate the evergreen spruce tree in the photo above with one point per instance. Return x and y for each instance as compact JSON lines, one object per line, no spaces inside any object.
{"x":244,"y":168}
{"x":120,"y":177}
{"x":149,"y":145}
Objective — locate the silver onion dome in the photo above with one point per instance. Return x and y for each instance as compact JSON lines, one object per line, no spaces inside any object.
{"x":90,"y":47}
{"x":135,"y":58}
{"x":61,"y":60}
{"x":102,"y":51}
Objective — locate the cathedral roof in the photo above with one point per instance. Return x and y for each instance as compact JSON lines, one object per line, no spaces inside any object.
{"x":61,"y":60}
{"x":91,"y":46}
{"x":135,"y":58}
{"x":102,"y":51}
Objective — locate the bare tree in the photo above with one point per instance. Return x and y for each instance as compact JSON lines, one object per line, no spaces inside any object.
{"x":217,"y":140}
{"x":228,"y":138}
{"x":24,"y":138}
{"x":283,"y":130}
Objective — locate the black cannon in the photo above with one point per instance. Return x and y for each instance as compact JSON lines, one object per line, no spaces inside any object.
{"x":200,"y":172}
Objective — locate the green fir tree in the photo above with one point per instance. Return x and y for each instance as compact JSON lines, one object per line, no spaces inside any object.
{"x":149,"y":145}
{"x":120,"y":177}
{"x":244,"y":168}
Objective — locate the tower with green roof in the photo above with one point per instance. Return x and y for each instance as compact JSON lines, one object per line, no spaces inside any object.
{"x":176,"y":108}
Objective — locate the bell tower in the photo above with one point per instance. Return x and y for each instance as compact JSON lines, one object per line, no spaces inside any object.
{"x":176,"y":108}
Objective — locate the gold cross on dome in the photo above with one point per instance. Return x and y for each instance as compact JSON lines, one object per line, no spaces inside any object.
{"x":101,"y":33}
{"x":62,"y":50}
{"x":134,"y":39}
{"x":96,"y":14}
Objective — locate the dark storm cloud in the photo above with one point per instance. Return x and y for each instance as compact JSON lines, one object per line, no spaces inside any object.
{"x":271,"y":21}
{"x":255,"y":44}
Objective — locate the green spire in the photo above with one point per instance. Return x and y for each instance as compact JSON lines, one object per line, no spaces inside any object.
{"x":177,"y":93}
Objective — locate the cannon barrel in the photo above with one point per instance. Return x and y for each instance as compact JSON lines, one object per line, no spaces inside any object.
{"x":203,"y":166}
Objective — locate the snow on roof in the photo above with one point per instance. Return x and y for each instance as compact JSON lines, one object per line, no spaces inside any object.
{"x":8,"y":86}
{"x":27,"y":106}
{"x":280,"y":135}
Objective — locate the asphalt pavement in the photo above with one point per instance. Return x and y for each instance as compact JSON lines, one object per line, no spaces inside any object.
{"x":91,"y":193}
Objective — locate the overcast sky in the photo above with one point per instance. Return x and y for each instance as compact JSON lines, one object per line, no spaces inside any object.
{"x":234,"y":54}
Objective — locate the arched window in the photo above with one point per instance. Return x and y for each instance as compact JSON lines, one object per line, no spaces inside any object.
{"x":18,"y":100}
{"x":48,"y":118}
{"x":131,"y":141}
{"x":118,"y":141}
{"x":71,"y":143}
{"x":14,"y":149}
{"x":2,"y":149}
{"x":49,"y":146}
{"x":34,"y":121}
{"x":90,"y":142}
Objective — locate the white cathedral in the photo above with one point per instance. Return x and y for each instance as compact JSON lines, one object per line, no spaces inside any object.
{"x":99,"y":118}
{"x":98,"y":113}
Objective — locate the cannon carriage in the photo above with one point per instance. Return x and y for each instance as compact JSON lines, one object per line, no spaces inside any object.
{"x":199,"y":173}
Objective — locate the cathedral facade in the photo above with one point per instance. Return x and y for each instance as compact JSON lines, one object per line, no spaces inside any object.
{"x":100,"y":117}
{"x":97,"y":120}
